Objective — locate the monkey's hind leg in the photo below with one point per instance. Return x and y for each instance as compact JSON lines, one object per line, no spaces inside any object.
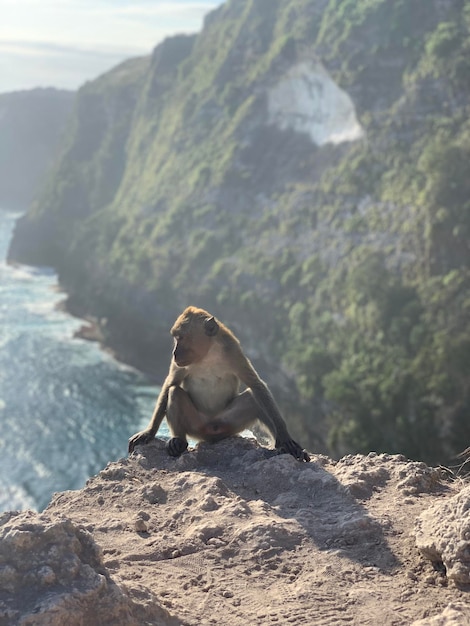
{"x":183,"y":419}
{"x":241,"y":413}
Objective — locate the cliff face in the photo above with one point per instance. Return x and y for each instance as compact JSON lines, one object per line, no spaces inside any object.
{"x":300,"y":162}
{"x":31,"y":126}
{"x":89,"y":169}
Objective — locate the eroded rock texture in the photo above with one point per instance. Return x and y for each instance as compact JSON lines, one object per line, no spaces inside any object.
{"x":52,"y":574}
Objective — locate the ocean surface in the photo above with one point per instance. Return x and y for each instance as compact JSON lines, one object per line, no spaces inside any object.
{"x":66,"y":407}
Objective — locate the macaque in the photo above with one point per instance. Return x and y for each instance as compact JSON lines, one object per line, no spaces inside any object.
{"x":201,"y":395}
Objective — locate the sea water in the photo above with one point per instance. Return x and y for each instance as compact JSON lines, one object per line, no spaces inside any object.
{"x":66,"y":407}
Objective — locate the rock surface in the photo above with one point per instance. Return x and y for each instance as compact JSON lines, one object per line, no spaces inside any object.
{"x":233,"y":533}
{"x":443,"y":535}
{"x":457,"y":614}
{"x":52,"y":573}
{"x":307,"y":100}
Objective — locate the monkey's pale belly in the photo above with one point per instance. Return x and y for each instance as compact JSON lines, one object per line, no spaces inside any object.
{"x":212,"y":394}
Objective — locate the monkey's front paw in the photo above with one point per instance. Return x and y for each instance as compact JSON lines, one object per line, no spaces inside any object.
{"x":292,"y":447}
{"x":176,"y":446}
{"x":139,"y":439}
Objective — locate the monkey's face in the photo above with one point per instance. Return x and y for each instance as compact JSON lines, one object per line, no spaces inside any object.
{"x":194,"y":332}
{"x":189,"y":349}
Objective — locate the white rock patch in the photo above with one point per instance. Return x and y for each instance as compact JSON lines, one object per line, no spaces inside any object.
{"x":307,"y":100}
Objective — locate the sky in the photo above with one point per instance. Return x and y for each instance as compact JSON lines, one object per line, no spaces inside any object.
{"x":64,"y":43}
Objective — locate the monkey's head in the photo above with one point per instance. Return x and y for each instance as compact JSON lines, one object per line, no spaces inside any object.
{"x":193,"y":333}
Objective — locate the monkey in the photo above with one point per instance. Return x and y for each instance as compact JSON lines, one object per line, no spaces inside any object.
{"x":201,"y":395}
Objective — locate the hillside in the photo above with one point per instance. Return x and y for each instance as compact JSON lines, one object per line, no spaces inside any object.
{"x":31,"y":126}
{"x":300,"y":169}
{"x":234,"y":534}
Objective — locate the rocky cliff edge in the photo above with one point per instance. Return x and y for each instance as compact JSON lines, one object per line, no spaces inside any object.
{"x":233,"y":533}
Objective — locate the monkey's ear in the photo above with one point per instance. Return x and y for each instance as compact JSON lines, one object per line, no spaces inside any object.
{"x":210,"y":326}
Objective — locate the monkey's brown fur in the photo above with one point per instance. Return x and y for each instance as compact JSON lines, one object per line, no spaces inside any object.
{"x":201,"y":395}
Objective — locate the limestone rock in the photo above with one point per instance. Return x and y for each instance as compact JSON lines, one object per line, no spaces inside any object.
{"x":443,"y":535}
{"x":456,"y":614}
{"x":52,"y":573}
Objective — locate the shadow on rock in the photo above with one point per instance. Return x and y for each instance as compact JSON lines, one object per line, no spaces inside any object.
{"x":280,"y":502}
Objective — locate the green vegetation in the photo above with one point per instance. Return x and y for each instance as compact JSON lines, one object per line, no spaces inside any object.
{"x":349,"y":264}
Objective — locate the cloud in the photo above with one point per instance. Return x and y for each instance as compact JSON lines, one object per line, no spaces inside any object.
{"x":66,"y":42}
{"x":45,"y":49}
{"x":25,"y":65}
{"x":165,"y":9}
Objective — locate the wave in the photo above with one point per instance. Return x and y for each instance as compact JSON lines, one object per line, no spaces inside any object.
{"x":66,"y":407}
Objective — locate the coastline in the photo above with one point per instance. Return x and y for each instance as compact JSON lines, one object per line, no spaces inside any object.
{"x":126,"y":345}
{"x":69,"y":406}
